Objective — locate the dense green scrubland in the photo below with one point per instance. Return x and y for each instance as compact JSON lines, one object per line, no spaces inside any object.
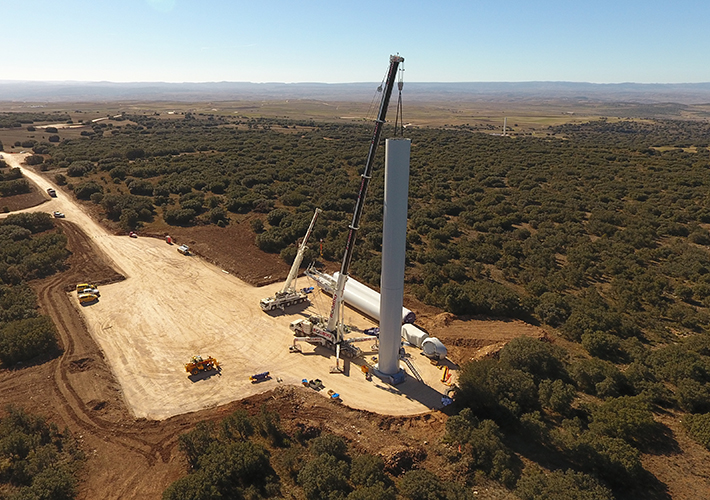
{"x":599,"y":231}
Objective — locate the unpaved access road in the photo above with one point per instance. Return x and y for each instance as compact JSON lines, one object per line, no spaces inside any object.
{"x":171,"y":307}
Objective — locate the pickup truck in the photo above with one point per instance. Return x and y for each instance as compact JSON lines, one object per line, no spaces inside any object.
{"x":184,"y":249}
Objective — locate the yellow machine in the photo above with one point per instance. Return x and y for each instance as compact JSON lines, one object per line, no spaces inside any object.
{"x":197,"y":364}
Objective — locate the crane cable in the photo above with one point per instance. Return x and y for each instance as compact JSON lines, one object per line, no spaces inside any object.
{"x":398,"y":116}
{"x":371,"y":110}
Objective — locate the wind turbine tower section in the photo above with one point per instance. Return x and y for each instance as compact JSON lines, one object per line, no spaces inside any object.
{"x":394,"y":241}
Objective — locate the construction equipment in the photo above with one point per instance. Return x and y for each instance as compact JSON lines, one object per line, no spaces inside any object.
{"x":197,"y":364}
{"x":288,"y":294}
{"x":331,"y":330}
{"x":259,"y":377}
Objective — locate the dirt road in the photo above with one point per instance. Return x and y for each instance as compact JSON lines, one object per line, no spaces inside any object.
{"x":171,"y":307}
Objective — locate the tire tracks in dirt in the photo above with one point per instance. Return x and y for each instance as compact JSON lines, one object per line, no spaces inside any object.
{"x":150,"y":440}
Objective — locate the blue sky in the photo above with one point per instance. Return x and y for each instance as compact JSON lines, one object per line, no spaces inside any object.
{"x":332,"y":41}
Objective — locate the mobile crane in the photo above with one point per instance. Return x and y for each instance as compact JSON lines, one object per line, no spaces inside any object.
{"x":289,"y":295}
{"x":330,"y":331}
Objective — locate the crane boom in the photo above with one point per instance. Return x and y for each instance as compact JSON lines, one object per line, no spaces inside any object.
{"x":299,"y":256}
{"x":288,"y":295}
{"x":334,"y":319}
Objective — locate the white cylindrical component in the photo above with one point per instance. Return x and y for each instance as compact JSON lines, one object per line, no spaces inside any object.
{"x":394,"y":243}
{"x":366,"y":293}
{"x":360,"y":302}
{"x":414,"y":335}
{"x":433,"y":348}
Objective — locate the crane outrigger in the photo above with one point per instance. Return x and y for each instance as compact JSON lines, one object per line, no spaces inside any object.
{"x":330,"y":331}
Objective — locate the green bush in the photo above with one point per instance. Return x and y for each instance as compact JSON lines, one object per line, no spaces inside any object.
{"x":375,"y":492}
{"x":368,"y":471}
{"x":38,"y":461}
{"x":598,"y":377}
{"x":330,"y":444}
{"x":693,"y":396}
{"x":482,"y":447}
{"x":540,"y":359}
{"x":34,"y":221}
{"x":34,"y":160}
{"x":627,"y":418}
{"x":603,"y":345}
{"x":424,"y":485}
{"x":556,"y":395}
{"x":12,"y":188}
{"x":84,"y":190}
{"x":494,"y":390}
{"x":325,"y":477}
{"x":25,"y":339}
{"x":559,"y":485}
{"x":698,"y":426}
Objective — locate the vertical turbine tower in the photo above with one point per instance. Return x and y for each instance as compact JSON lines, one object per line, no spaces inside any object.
{"x":394,"y":242}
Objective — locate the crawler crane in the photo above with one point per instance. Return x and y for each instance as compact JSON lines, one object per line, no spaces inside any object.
{"x":330,"y":331}
{"x":289,"y":295}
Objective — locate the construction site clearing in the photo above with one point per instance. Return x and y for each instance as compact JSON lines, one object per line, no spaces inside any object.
{"x":170,"y":308}
{"x":146,"y":332}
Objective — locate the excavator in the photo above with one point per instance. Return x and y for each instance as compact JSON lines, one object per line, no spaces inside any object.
{"x":288,"y":295}
{"x":329,"y":332}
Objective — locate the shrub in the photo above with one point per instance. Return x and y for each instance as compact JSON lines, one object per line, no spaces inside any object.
{"x":556,"y":395}
{"x":481,"y":446}
{"x":494,"y":390}
{"x":375,"y":492}
{"x":11,"y":188}
{"x":35,"y":221}
{"x":275,"y":217}
{"x":368,"y":470}
{"x":79,"y":168}
{"x":34,"y":160}
{"x":84,"y":190}
{"x":603,"y":345}
{"x":324,"y":477}
{"x":257,"y":225}
{"x":698,"y":426}
{"x":25,"y":339}
{"x":539,"y":359}
{"x":553,"y":308}
{"x":693,"y":396}
{"x":558,"y":485}
{"x":598,"y":377}
{"x":424,"y":485}
{"x":627,"y":418}
{"x":180,"y":216}
{"x":140,"y":187}
{"x":331,"y":444}
{"x":38,"y":460}
{"x":675,"y":362}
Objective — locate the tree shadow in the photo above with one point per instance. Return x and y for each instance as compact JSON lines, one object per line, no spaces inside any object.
{"x":659,"y":442}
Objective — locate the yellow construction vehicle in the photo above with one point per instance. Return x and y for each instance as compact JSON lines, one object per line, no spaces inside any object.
{"x":197,"y":364}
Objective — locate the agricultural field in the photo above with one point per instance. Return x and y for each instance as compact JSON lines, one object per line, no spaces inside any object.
{"x":590,"y":234}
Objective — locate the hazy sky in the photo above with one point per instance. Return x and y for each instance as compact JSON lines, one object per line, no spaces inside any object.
{"x":603,"y":41}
